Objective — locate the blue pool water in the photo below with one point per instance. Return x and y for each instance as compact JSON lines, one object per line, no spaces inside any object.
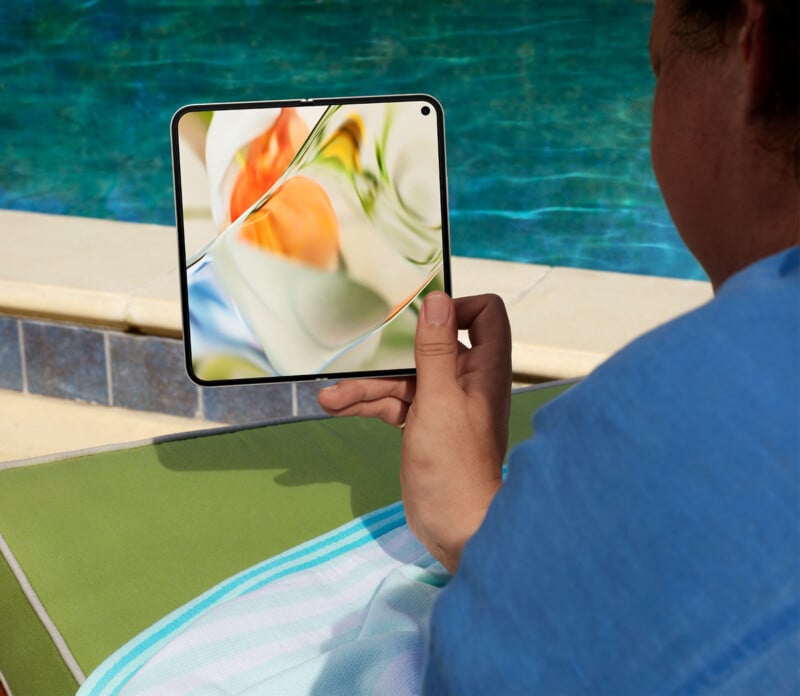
{"x":547,"y":108}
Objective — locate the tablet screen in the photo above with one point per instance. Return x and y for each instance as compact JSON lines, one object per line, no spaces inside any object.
{"x":309,"y":233}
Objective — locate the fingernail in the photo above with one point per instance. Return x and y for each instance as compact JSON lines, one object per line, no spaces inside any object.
{"x":332,"y":387}
{"x":436,"y":309}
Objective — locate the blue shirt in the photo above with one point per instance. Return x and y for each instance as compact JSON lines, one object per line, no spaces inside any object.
{"x":647,"y":539}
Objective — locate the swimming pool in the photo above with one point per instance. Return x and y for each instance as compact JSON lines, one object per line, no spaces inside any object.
{"x":547,"y":109}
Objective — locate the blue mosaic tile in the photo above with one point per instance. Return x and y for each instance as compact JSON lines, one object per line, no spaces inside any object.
{"x":148,"y":374}
{"x":252,"y":403}
{"x":307,"y":404}
{"x":65,"y":361}
{"x":10,"y":359}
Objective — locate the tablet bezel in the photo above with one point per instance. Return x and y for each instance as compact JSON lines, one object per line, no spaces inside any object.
{"x":437,"y":109}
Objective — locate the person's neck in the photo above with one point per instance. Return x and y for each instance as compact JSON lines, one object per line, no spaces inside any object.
{"x":763,"y":218}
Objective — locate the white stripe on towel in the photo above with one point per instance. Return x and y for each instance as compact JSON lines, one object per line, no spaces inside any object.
{"x":348,"y":562}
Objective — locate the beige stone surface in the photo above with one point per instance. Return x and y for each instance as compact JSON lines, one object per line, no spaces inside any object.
{"x":574,"y":319}
{"x":88,"y":270}
{"x":122,"y":275}
{"x":566,"y":321}
{"x":35,"y":426}
{"x":84,"y":253}
{"x":512,"y":281}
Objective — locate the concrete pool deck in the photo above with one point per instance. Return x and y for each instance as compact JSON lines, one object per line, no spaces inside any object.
{"x":33,"y":425}
{"x":123,"y":277}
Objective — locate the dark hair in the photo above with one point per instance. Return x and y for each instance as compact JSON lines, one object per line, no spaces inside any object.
{"x":703,"y":24}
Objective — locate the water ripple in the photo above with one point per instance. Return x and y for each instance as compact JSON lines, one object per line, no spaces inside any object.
{"x":547,"y":108}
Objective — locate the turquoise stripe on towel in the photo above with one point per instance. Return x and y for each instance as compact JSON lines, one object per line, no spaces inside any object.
{"x":325,"y":575}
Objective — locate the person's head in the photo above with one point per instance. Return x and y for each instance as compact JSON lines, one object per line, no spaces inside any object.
{"x":726,"y":126}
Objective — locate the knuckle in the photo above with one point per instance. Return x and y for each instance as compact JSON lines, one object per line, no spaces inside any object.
{"x":495,"y":300}
{"x":392,"y":412}
{"x":435,"y":348}
{"x":387,"y":412}
{"x":358,"y":390}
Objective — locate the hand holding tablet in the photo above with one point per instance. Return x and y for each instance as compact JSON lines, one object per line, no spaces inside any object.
{"x":309,"y":233}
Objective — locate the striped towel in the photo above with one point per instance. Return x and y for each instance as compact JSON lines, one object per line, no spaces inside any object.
{"x":344,"y":613}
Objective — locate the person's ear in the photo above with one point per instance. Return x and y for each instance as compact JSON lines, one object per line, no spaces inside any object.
{"x":755,"y":55}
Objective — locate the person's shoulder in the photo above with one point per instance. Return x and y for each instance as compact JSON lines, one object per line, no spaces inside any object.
{"x":666,"y":479}
{"x":723,"y":365}
{"x":751,"y":326}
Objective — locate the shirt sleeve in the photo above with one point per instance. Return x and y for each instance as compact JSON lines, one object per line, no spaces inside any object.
{"x":646,"y":539}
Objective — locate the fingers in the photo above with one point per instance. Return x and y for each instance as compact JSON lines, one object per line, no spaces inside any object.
{"x":440,"y":360}
{"x":436,"y":346}
{"x":349,"y":392}
{"x":486,"y":319}
{"x":389,"y":410}
{"x":387,"y":399}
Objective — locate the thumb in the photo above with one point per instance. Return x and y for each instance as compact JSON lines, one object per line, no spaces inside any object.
{"x":436,"y":346}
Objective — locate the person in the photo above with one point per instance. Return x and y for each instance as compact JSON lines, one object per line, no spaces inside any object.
{"x":647,"y":538}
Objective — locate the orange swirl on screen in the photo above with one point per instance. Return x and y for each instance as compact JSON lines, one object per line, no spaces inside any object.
{"x":267,"y":158}
{"x":298,"y":222}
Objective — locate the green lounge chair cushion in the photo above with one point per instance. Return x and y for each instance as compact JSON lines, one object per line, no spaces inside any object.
{"x":112,"y":541}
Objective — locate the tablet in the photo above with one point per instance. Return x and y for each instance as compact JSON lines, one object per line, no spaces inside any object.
{"x":309,"y":232}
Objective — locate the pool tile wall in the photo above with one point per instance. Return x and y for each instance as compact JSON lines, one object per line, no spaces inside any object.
{"x":143,"y":373}
{"x":239,"y":404}
{"x":65,"y":361}
{"x":147,"y":374}
{"x":10,"y":356}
